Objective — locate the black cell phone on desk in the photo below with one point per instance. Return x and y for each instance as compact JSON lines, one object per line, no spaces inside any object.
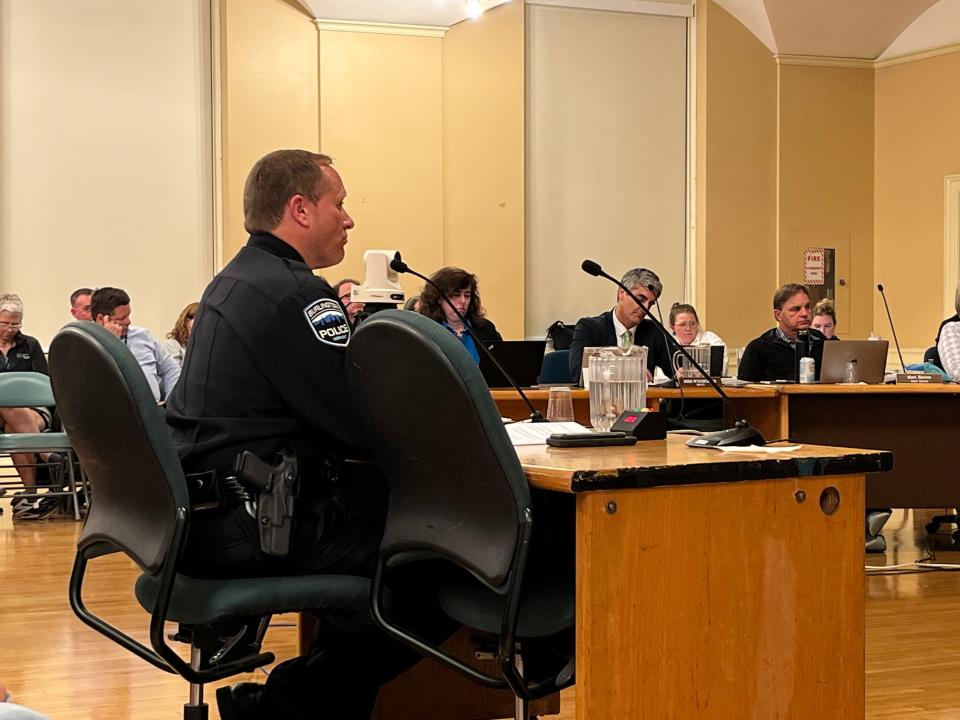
{"x":593,"y":439}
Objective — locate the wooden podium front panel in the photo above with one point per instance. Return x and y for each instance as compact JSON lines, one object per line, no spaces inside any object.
{"x":721,"y":601}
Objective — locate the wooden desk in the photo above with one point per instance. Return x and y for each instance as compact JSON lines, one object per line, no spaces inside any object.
{"x":919,"y":423}
{"x":758,"y":402}
{"x":713,"y":585}
{"x":915,"y":422}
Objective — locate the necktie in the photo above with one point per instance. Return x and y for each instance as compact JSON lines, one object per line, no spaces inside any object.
{"x":626,"y":339}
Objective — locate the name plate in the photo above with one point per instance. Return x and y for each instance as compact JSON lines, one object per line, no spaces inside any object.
{"x":696,"y":382}
{"x":918,"y":378}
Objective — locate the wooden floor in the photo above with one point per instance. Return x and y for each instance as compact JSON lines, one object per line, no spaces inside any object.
{"x":56,"y":665}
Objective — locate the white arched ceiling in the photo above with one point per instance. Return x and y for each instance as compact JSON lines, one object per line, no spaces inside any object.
{"x":937,"y":27}
{"x":865,"y":29}
{"x":441,"y":13}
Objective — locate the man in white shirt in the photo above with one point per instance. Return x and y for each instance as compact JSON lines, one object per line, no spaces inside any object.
{"x":110,"y":307}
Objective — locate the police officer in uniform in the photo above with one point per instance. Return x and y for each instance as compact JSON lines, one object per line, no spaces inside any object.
{"x":264,"y":371}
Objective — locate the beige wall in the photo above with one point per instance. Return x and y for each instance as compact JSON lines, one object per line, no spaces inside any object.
{"x":380,"y":118}
{"x":483,"y":159}
{"x":269,"y":95}
{"x":917,"y":144}
{"x":826,"y":181}
{"x":736,"y":177}
{"x":105,"y":155}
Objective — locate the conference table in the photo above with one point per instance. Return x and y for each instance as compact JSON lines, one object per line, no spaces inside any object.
{"x":714,"y":584}
{"x":916,"y":422}
{"x":708,"y":585}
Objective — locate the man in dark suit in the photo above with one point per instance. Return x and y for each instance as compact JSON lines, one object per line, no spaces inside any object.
{"x":623,"y":326}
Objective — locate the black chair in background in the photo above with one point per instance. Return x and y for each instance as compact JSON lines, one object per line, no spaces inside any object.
{"x":556,"y":368}
{"x":140,"y":506}
{"x":458,"y":495}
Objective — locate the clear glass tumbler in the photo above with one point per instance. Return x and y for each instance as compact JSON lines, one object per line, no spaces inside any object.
{"x":560,"y":405}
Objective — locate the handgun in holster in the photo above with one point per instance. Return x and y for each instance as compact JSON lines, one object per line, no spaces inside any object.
{"x":277,"y":487}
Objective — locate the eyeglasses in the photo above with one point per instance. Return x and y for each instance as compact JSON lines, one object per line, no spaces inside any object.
{"x":345,"y":299}
{"x":690,"y":324}
{"x":10,"y":325}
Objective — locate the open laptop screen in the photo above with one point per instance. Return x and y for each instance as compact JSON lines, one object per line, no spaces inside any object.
{"x":870,"y":356}
{"x":521,"y":358}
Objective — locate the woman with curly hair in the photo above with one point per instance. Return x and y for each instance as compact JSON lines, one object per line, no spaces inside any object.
{"x":460,"y":288}
{"x":176,"y":342}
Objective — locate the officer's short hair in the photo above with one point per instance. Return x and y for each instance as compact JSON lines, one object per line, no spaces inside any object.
{"x":107,"y":299}
{"x":276,"y":178}
{"x":786,"y":292}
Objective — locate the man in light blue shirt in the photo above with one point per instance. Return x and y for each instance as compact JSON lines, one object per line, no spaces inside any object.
{"x":110,"y":307}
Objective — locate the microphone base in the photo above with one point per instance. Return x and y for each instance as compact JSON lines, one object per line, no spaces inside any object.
{"x":740,"y":435}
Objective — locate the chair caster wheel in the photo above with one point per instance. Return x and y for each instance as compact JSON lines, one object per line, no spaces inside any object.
{"x":956,"y":536}
{"x":932,"y":528}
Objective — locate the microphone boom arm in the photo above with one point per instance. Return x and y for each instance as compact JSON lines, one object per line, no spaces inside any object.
{"x":398,"y":265}
{"x":745,"y":434}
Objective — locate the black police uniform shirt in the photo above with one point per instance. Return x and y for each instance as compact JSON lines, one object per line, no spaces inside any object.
{"x":26,"y":355}
{"x":264,"y":367}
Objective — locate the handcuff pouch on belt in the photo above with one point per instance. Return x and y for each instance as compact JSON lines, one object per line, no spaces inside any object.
{"x":268,"y":491}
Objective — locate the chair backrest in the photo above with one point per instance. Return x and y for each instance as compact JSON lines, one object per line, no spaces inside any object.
{"x":932,"y":355}
{"x":25,"y":389}
{"x":120,"y":437}
{"x":556,"y":367}
{"x":456,"y":485}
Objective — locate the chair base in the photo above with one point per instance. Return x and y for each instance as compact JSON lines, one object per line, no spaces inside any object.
{"x":196,"y":712}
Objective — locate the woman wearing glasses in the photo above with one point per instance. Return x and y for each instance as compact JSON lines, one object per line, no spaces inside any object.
{"x":686,"y":329}
{"x":176,"y":342}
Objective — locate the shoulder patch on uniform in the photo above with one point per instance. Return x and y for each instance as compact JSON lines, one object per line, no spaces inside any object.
{"x":328,"y":322}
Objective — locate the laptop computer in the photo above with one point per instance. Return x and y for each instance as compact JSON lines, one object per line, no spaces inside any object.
{"x":521,"y":358}
{"x":870,"y":356}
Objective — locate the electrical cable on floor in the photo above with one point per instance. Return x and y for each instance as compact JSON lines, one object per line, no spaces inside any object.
{"x":917,"y":566}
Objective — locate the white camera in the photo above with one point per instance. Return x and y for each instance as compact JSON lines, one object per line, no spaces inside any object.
{"x":380,"y":283}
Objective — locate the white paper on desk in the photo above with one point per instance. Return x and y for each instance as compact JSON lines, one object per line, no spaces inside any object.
{"x":759,"y":448}
{"x":537,"y":433}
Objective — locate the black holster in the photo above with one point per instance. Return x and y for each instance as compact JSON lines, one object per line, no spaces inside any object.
{"x":276,"y":487}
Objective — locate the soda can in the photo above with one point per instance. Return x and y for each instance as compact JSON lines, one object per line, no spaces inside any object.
{"x":808,"y":370}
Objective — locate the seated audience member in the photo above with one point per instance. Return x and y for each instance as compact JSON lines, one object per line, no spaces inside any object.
{"x":772,"y":356}
{"x":343,"y":289}
{"x":460,"y":288}
{"x":176,"y":342}
{"x":22,"y":353}
{"x":825,"y":319}
{"x":80,"y":303}
{"x":624,"y":325}
{"x":412,"y":303}
{"x":110,"y":307}
{"x":948,"y":341}
{"x":685,"y":325}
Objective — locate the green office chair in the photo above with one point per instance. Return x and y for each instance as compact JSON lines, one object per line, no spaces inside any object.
{"x":31,"y":389}
{"x":140,"y":506}
{"x":458,"y":495}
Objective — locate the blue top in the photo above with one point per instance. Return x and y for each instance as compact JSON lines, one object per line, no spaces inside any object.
{"x":160,"y":369}
{"x":467,"y":340}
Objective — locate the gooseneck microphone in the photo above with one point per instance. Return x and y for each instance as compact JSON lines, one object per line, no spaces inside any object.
{"x":398,"y":265}
{"x":742,"y":433}
{"x":892,"y":329}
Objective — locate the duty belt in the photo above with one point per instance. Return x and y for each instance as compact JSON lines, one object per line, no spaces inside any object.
{"x":269,"y":493}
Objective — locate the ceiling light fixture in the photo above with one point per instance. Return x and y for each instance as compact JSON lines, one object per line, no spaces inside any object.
{"x":474,"y":9}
